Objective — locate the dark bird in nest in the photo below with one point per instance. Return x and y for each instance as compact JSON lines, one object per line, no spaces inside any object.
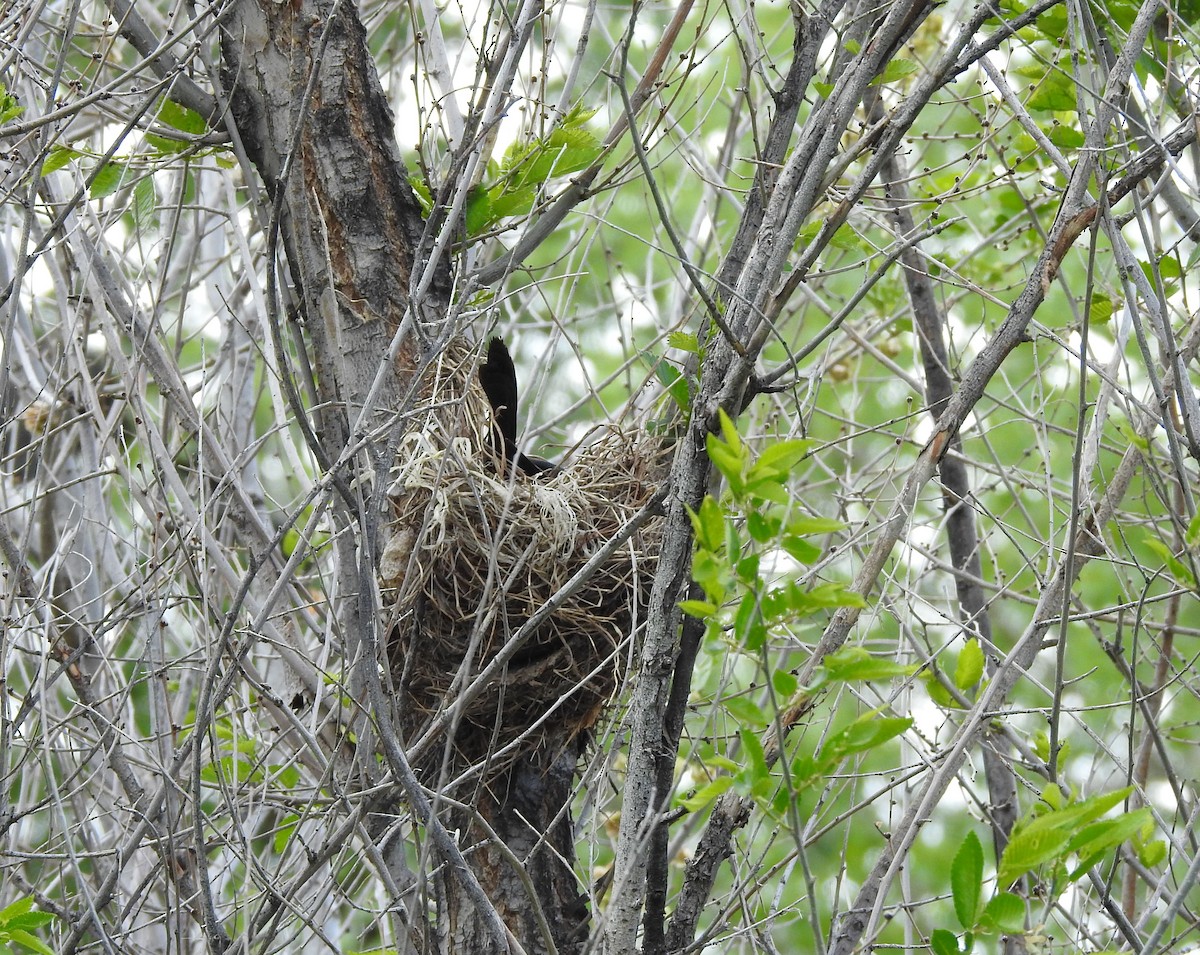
{"x":498,"y":376}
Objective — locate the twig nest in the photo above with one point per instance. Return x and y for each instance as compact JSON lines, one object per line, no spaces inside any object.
{"x":476,"y":548}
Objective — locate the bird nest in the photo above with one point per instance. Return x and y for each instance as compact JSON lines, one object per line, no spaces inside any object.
{"x":484,"y":641}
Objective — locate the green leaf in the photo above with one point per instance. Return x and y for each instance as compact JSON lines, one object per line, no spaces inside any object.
{"x":166,"y":146}
{"x":106,"y":180}
{"x":748,"y":627}
{"x":755,"y":776}
{"x":145,"y":201}
{"x":809,"y":526}
{"x":969,"y":669}
{"x":745,"y":711}
{"x":1094,"y":841}
{"x":854,"y":664}
{"x":709,"y":525}
{"x":867,"y":732}
{"x":1066,"y":137}
{"x":938,"y":693}
{"x":58,"y":157}
{"x":506,"y":203}
{"x":1006,"y":912}
{"x":823,"y":89}
{"x":801,"y":550}
{"x":19,"y":907}
{"x":762,"y":527}
{"x":675,"y":384}
{"x":1192,"y":537}
{"x":1055,"y":93}
{"x":1047,"y":838}
{"x":896,"y":70}
{"x":9,"y":107}
{"x":684,"y":341}
{"x":768,"y":490}
{"x":420,"y":189}
{"x":730,"y":433}
{"x":1028,"y":850}
{"x":31,"y":942}
{"x":1179,"y":570}
{"x":29,"y":920}
{"x":780,"y":458}
{"x":1152,"y":853}
{"x":701,"y":609}
{"x":478,"y":211}
{"x":966,"y":880}
{"x":705,"y":794}
{"x":944,"y":942}
{"x":785,"y":683}
{"x":182,"y":118}
{"x":1101,"y":309}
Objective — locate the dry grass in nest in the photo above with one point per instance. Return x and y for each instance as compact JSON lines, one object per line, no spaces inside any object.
{"x":476,"y":550}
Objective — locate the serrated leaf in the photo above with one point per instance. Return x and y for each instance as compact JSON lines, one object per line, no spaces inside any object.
{"x":943,"y":942}
{"x":684,"y":341}
{"x":745,"y":711}
{"x":506,"y":203}
{"x":726,"y":459}
{"x":31,"y":942}
{"x":1028,"y":850}
{"x":145,"y":201}
{"x":854,"y":664}
{"x":1168,"y":267}
{"x":182,"y":118}
{"x":1066,"y":137}
{"x":780,"y":458}
{"x":478,"y":211}
{"x":106,"y":180}
{"x":705,"y":794}
{"x":939,"y":694}
{"x":1047,"y":837}
{"x":1055,"y":93}
{"x":969,"y":669}
{"x":895,"y":70}
{"x":1006,"y":912}
{"x":800,"y":550}
{"x":785,"y":683}
{"x":1152,"y":853}
{"x":966,"y":880}
{"x":1101,"y":309}
{"x":809,"y":526}
{"x":1094,"y":841}
{"x":701,"y":609}
{"x":165,"y":146}
{"x":865,"y":733}
{"x":19,"y":907}
{"x":58,"y":157}
{"x":1179,"y":570}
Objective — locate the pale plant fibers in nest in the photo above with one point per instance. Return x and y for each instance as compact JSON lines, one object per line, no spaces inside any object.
{"x":475,"y":550}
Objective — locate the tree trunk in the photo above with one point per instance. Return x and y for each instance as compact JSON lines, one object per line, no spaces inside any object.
{"x":308,"y":108}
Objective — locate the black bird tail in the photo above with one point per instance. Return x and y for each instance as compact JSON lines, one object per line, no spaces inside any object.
{"x":498,"y":375}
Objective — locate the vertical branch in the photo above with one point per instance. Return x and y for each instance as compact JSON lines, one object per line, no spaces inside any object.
{"x":961,"y":532}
